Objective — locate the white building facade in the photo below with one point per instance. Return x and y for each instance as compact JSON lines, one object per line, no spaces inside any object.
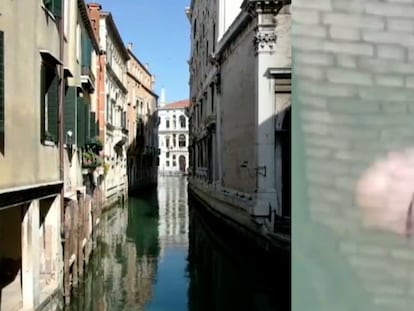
{"x":173,"y":138}
{"x":239,"y":111}
{"x":115,"y":103}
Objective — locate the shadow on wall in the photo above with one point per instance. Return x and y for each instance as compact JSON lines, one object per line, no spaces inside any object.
{"x":9,"y":269}
{"x":351,"y":108}
{"x":142,"y":158}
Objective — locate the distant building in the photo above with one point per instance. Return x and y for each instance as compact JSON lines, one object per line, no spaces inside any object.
{"x":142,"y":123}
{"x":112,"y":101}
{"x":173,"y":138}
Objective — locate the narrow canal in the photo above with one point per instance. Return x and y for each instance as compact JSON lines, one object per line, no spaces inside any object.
{"x":158,"y":253}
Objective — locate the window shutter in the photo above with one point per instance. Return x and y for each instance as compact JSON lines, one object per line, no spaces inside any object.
{"x":70,"y":115}
{"x":57,"y":8}
{"x":87,"y":121}
{"x":52,"y":109}
{"x":97,"y":127}
{"x":92,"y":123}
{"x":81,"y":121}
{"x":86,"y":49}
{"x":2,"y":117}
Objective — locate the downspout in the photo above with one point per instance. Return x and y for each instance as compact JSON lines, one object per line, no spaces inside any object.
{"x":61,"y":123}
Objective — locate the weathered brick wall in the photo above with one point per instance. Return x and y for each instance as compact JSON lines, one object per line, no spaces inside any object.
{"x":354,"y":72}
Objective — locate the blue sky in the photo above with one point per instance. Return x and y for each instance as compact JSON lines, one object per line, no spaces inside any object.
{"x":159,"y":31}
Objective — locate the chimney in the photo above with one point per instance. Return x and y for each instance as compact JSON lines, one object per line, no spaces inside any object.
{"x":95,"y":17}
{"x":147,"y":66}
{"x":130,"y":45}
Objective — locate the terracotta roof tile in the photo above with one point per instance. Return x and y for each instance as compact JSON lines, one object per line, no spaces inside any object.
{"x":177,"y":105}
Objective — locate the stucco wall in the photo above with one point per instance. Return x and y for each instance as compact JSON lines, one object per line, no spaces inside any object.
{"x":25,"y":160}
{"x":237,"y":112}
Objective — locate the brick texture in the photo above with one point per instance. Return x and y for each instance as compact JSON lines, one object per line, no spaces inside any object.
{"x":354,"y":83}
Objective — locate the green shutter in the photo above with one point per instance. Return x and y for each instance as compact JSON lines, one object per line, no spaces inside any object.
{"x":86,"y":47}
{"x":2,"y":119}
{"x":92,"y":124}
{"x":97,"y":127}
{"x":70,"y":115}
{"x":52,"y":109}
{"x":57,"y":8}
{"x":87,"y":121}
{"x":81,"y":121}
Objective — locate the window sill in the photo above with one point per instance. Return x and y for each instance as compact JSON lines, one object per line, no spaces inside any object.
{"x":48,"y":143}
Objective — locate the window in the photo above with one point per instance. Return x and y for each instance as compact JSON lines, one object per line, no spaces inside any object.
{"x":167,"y":155}
{"x":2,"y":119}
{"x":167,"y":124}
{"x":212,"y":97}
{"x":207,"y":53}
{"x":181,"y":140}
{"x":167,"y":142}
{"x":174,"y":164}
{"x":54,"y":6}
{"x":49,"y":103}
{"x":174,"y":140}
{"x":167,"y":163}
{"x":214,"y":38}
{"x":174,"y":157}
{"x":174,"y":122}
{"x":182,"y":122}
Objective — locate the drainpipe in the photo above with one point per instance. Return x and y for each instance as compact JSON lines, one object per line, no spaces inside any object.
{"x":61,"y":121}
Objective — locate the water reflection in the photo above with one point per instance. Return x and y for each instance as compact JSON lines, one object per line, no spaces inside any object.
{"x":152,"y":255}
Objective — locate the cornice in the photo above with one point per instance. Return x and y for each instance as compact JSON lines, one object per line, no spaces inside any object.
{"x":141,"y":84}
{"x":116,"y":79}
{"x":114,"y":31}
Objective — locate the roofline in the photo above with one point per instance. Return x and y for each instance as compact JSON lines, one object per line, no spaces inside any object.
{"x":141,"y":84}
{"x":87,"y":23}
{"x":139,"y":62}
{"x":111,"y":24}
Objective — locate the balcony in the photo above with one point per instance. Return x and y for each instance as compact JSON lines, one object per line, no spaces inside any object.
{"x":88,"y":78}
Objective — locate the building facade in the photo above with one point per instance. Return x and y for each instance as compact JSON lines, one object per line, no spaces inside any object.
{"x":240,"y":113}
{"x":112,"y":101}
{"x":173,"y":138}
{"x":142,"y":124}
{"x":30,"y":153}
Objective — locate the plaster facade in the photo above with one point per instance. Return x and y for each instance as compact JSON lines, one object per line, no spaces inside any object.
{"x":240,"y":99}
{"x":112,"y":101}
{"x":31,"y":182}
{"x":142,"y":123}
{"x":173,"y":138}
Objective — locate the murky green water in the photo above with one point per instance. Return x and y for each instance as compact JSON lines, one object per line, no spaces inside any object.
{"x":157,"y":254}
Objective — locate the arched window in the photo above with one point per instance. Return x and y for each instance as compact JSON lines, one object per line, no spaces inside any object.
{"x":181,"y":140}
{"x":167,"y":123}
{"x":182,"y":122}
{"x":174,"y":122}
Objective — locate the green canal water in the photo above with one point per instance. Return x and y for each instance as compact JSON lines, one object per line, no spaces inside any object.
{"x":158,"y":253}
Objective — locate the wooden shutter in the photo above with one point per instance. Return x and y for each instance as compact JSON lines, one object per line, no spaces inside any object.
{"x":52,"y":109}
{"x":92,"y":123}
{"x":81,"y":121}
{"x":70,"y":114}
{"x":86,"y":49}
{"x":57,"y":8}
{"x":87,"y":121}
{"x":2,"y":116}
